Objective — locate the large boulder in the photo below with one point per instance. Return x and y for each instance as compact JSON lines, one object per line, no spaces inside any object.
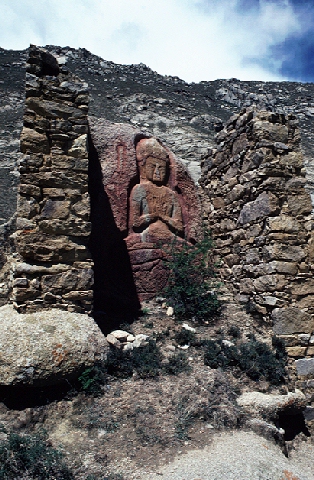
{"x":47,"y":347}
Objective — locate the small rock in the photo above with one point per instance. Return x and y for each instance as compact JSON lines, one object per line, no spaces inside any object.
{"x":128,"y":347}
{"x":121,"y":335}
{"x":187,"y":327}
{"x":227,"y":343}
{"x":160,"y":299}
{"x":113,"y":340}
{"x":140,"y":340}
{"x":170,"y":311}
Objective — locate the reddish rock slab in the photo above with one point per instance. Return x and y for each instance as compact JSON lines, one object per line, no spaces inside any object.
{"x":152,"y":199}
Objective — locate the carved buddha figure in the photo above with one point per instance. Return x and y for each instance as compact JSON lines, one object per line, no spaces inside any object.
{"x":154,"y":207}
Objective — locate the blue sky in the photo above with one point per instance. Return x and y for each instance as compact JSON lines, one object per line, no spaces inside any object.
{"x":192,"y":39}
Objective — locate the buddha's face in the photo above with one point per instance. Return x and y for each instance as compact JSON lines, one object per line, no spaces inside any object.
{"x":156,"y":170}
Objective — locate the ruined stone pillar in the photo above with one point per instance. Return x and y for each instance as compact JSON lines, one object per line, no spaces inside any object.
{"x":53,"y":267}
{"x":260,"y":213}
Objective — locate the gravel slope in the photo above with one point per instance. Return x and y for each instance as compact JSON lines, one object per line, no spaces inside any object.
{"x":239,"y":455}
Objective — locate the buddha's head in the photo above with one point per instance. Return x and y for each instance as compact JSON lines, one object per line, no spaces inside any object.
{"x":153,"y":161}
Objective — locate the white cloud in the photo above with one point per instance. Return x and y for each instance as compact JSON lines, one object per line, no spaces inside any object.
{"x":193,"y":39}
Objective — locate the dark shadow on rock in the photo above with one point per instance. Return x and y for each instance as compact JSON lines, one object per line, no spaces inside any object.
{"x":293,"y":423}
{"x":115,"y":296}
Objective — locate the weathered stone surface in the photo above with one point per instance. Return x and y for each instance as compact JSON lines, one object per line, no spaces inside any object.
{"x":290,"y":268}
{"x":294,"y":159}
{"x":269,"y":283}
{"x":265,"y":205}
{"x":296,"y":351}
{"x":151,"y":199}
{"x":291,"y":320}
{"x":268,"y":406}
{"x":285,"y":253}
{"x":284,"y":224}
{"x":32,"y":141}
{"x":47,"y":347}
{"x":303,"y":288}
{"x":53,"y":204}
{"x":305,"y":366}
{"x":256,"y":178}
{"x":300,"y":204}
{"x":264,"y":129}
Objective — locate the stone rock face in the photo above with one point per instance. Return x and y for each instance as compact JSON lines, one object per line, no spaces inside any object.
{"x":292,"y":320}
{"x":54,"y":266}
{"x":258,"y":210}
{"x":305,"y":366}
{"x":268,"y":406}
{"x":47,"y":347}
{"x":150,"y":197}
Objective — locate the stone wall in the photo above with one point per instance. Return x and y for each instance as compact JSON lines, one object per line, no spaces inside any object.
{"x":53,"y":266}
{"x":259,"y":211}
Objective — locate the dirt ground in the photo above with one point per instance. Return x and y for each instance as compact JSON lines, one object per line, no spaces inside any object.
{"x":139,"y":424}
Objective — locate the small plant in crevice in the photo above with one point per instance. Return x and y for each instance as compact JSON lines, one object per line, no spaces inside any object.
{"x":144,"y":312}
{"x":254,"y":358}
{"x":191,"y":289}
{"x":31,"y":456}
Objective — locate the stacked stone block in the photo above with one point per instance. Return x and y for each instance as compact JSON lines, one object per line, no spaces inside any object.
{"x":260,"y":214}
{"x":53,"y":267}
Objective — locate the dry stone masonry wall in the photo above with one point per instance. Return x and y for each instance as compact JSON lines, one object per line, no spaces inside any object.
{"x":259,"y":211}
{"x":53,"y":265}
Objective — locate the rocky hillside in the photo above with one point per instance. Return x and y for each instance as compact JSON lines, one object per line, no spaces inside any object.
{"x":185,"y":116}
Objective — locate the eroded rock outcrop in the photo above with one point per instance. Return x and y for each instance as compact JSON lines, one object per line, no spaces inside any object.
{"x":53,"y":268}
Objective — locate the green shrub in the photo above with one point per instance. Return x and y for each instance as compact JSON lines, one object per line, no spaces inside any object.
{"x":93,"y":379}
{"x":254,"y":358}
{"x":176,"y":364}
{"x":30,"y":456}
{"x":185,"y":337}
{"x":234,"y":331}
{"x":147,"y":360}
{"x":119,"y":363}
{"x":190,"y":284}
{"x":258,"y":360}
{"x":216,"y":354}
